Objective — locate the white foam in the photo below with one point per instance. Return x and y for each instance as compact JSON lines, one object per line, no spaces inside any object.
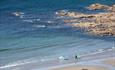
{"x":56,"y":13}
{"x":21,"y":16}
{"x":50,"y":22}
{"x":40,"y":26}
{"x":28,"y":21}
{"x":61,"y":58}
{"x":113,"y":47}
{"x":60,"y":17}
{"x":99,"y":51}
{"x":38,"y":19}
{"x":17,"y":13}
{"x":12,"y":65}
{"x":58,"y":26}
{"x":18,"y":63}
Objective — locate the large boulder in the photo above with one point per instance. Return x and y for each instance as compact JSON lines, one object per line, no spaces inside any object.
{"x":98,"y":6}
{"x":113,"y":8}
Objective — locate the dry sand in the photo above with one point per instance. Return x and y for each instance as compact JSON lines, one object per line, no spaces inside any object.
{"x":110,"y":62}
{"x":82,"y":67}
{"x":103,"y":63}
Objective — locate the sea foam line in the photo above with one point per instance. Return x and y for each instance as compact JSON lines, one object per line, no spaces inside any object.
{"x":23,"y":62}
{"x":17,"y":63}
{"x":12,"y":65}
{"x":99,"y":51}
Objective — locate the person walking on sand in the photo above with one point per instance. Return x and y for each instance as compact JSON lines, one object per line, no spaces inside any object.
{"x":76,"y":57}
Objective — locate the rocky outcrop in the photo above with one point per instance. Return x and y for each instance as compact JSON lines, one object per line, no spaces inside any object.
{"x":70,"y":14}
{"x":98,"y":6}
{"x":102,"y":24}
{"x":96,"y":29}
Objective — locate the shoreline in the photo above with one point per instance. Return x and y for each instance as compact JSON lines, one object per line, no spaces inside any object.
{"x":92,"y":60}
{"x":57,"y":63}
{"x":57,"y":35}
{"x":103,"y":63}
{"x":86,"y":59}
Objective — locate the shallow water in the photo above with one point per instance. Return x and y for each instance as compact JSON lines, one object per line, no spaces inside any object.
{"x":38,"y":33}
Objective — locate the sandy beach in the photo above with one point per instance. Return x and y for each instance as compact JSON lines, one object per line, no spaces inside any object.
{"x":82,"y":67}
{"x":57,"y":35}
{"x":110,"y":62}
{"x":100,"y":24}
{"x":102,"y":65}
{"x":106,"y":63}
{"x":98,"y":61}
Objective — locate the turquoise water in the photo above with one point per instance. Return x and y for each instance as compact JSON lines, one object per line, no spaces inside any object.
{"x":38,"y":33}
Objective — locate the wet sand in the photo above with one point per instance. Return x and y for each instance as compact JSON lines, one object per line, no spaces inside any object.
{"x":96,"y":64}
{"x":93,"y":61}
{"x":103,"y":64}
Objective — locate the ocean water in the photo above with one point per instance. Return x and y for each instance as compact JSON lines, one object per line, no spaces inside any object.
{"x":40,"y":34}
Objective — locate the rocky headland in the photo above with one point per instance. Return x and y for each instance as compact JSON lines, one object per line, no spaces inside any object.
{"x":102,"y":24}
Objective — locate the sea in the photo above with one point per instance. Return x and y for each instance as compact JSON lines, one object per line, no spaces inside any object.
{"x":38,"y":33}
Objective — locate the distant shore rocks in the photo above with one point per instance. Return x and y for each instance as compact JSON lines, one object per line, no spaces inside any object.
{"x":98,"y":6}
{"x":102,"y":24}
{"x":67,"y":13}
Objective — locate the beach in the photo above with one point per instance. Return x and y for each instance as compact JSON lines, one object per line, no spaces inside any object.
{"x":101,"y":60}
{"x":82,"y":67}
{"x":97,"y":65}
{"x":57,"y":35}
{"x":99,"y":24}
{"x":97,"y":61}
